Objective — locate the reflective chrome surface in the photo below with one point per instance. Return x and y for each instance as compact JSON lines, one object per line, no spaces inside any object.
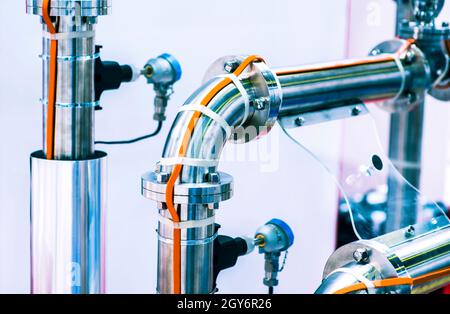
{"x":88,"y":8}
{"x":68,"y":225}
{"x":405,"y":152}
{"x":195,"y":202}
{"x":196,"y":197}
{"x":393,"y":255}
{"x":196,"y":252}
{"x":74,"y":126}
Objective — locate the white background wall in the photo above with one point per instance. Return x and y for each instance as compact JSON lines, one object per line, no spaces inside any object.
{"x":286,"y":32}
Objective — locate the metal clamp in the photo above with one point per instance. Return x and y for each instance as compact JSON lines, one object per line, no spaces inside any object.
{"x":189,"y":242}
{"x":265,"y":96}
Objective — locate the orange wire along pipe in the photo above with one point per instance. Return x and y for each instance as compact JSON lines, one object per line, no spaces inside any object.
{"x":51,"y":102}
{"x":390,"y":282}
{"x":190,"y":128}
{"x":178,"y":168}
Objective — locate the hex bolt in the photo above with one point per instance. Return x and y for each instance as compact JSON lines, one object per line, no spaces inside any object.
{"x":300,"y":121}
{"x":356,"y":111}
{"x":213,"y":177}
{"x":362,"y":255}
{"x":410,"y":232}
{"x":410,"y":56}
{"x":375,"y":52}
{"x":231,"y":65}
{"x":261,"y":103}
{"x":213,"y":206}
{"x":162,"y":177}
{"x":412,"y":97}
{"x":445,"y":24}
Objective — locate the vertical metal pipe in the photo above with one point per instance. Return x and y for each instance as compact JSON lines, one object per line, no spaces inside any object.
{"x":74,"y":125}
{"x":405,"y":148}
{"x":68,"y":193}
{"x":68,"y":225}
{"x":196,"y":252}
{"x":405,"y":151}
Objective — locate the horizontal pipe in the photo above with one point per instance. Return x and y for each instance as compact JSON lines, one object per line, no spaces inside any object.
{"x":413,"y":259}
{"x":307,"y":89}
{"x":304,"y":89}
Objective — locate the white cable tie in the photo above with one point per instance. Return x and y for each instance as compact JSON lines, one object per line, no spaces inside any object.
{"x":237,"y":82}
{"x":369,"y":284}
{"x":187,"y":224}
{"x":69,"y":35}
{"x":403,"y":74}
{"x":211,"y":114}
{"x":185,"y":161}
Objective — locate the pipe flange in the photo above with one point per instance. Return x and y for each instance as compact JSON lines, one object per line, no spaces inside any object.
{"x":188,"y":193}
{"x":264,"y":91}
{"x":416,"y":76}
{"x":441,"y":89}
{"x":386,"y":264}
{"x":87,"y":8}
{"x":434,"y":42}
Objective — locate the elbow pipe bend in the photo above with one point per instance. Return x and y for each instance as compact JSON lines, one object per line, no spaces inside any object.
{"x":253,"y":102}
{"x":414,"y":266}
{"x":244,"y":109}
{"x":249,"y":106}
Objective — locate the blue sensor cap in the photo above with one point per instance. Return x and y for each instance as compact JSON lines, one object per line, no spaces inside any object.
{"x":174,"y":63}
{"x":285,"y":227}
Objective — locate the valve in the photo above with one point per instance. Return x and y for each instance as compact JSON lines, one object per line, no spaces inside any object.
{"x":273,"y":238}
{"x":163,"y":72}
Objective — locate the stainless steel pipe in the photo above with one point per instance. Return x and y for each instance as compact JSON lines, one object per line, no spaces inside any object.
{"x":390,"y":256}
{"x":68,"y":193}
{"x":328,"y":85}
{"x":405,"y":152}
{"x":68,"y":225}
{"x":303,"y":89}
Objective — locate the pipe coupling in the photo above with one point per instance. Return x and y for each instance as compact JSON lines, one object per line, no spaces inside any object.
{"x":263,"y":90}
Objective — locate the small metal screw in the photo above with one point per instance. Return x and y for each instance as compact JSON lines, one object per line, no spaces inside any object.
{"x":375,"y":52}
{"x":213,"y":177}
{"x":231,"y":65}
{"x":261,"y":103}
{"x":214,"y":206}
{"x":162,"y":177}
{"x":362,"y":255}
{"x":412,"y":97}
{"x":410,"y":232}
{"x":300,"y":121}
{"x":410,"y":56}
{"x":356,"y":111}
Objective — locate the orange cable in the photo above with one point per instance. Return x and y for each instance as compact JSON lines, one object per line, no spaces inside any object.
{"x":177,"y":168}
{"x":346,"y":63}
{"x":400,"y":281}
{"x":51,"y":102}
